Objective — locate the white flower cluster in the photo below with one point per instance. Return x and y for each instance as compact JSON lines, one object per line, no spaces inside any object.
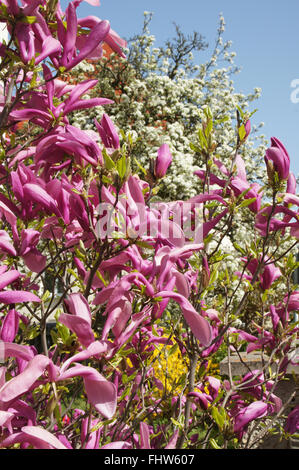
{"x":161,"y":109}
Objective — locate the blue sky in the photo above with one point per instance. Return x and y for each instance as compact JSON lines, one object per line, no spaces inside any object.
{"x":265,"y":36}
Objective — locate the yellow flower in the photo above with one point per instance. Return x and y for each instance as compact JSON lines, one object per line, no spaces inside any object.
{"x":169,"y":366}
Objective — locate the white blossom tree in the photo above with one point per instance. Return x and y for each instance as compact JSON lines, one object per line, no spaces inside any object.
{"x":160,"y":94}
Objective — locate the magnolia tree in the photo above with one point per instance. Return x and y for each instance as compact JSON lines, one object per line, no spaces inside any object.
{"x":75,"y":216}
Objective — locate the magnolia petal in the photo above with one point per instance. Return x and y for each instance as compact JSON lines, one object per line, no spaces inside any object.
{"x":253,"y":411}
{"x":94,"y":349}
{"x":35,"y":261}
{"x":200,"y":327}
{"x":17,"y":296}
{"x":117,"y":445}
{"x":38,"y":437}
{"x":122,"y":319}
{"x":101,"y":393}
{"x":50,"y":46}
{"x":10,"y":326}
{"x":8,"y":278}
{"x":85,"y":104}
{"x":144,"y":436}
{"x":21,"y":383}
{"x":79,"y":326}
{"x":5,"y":243}
{"x":181,"y":283}
{"x":78,"y":305}
{"x":69,"y":42}
{"x":94,"y":3}
{"x":41,"y":196}
{"x":97,"y":34}
{"x":43,"y":435}
{"x":136,"y":320}
{"x":5,"y":420}
{"x":173,"y":440}
{"x":15,"y":350}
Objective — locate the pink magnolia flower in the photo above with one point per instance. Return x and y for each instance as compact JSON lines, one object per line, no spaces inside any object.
{"x":199,"y":326}
{"x":291,"y":184}
{"x":10,"y":326}
{"x":144,"y":436}
{"x":6,"y":245}
{"x":255,"y":410}
{"x":101,"y":393}
{"x":23,"y":382}
{"x":237,"y":182}
{"x":5,"y":420}
{"x":292,"y":423}
{"x":38,"y":437}
{"x":41,"y":110}
{"x":279,"y":158}
{"x":264,"y":226}
{"x":268,"y":275}
{"x":112,"y":39}
{"x":90,"y":439}
{"x":79,"y":318}
{"x":34,"y":260}
{"x":107,"y":132}
{"x":13,"y":296}
{"x":163,"y":161}
{"x":247,"y":128}
{"x":68,"y":38}
{"x":208,"y":392}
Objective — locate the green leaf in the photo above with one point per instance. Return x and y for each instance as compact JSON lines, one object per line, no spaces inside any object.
{"x":214,"y":276}
{"x":124,"y":378}
{"x":46,"y":295}
{"x":241,"y":112}
{"x":140,"y":166}
{"x":144,"y":244}
{"x":209,"y":127}
{"x":57,"y":415}
{"x":220,"y":121}
{"x":253,"y":112}
{"x":247,"y":202}
{"x":242,"y":132}
{"x":109,"y":163}
{"x":121,"y":166}
{"x":239,"y":248}
{"x":63,"y":332}
{"x":99,"y":275}
{"x":173,"y":349}
{"x":28,"y":19}
{"x":219,"y":417}
{"x":214,"y":444}
{"x":176,"y":423}
{"x":202,"y":139}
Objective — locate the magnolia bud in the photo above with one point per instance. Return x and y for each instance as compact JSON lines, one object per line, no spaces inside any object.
{"x":107,"y":132}
{"x":247,"y":128}
{"x":279,"y":158}
{"x":10,"y":326}
{"x":163,"y":161}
